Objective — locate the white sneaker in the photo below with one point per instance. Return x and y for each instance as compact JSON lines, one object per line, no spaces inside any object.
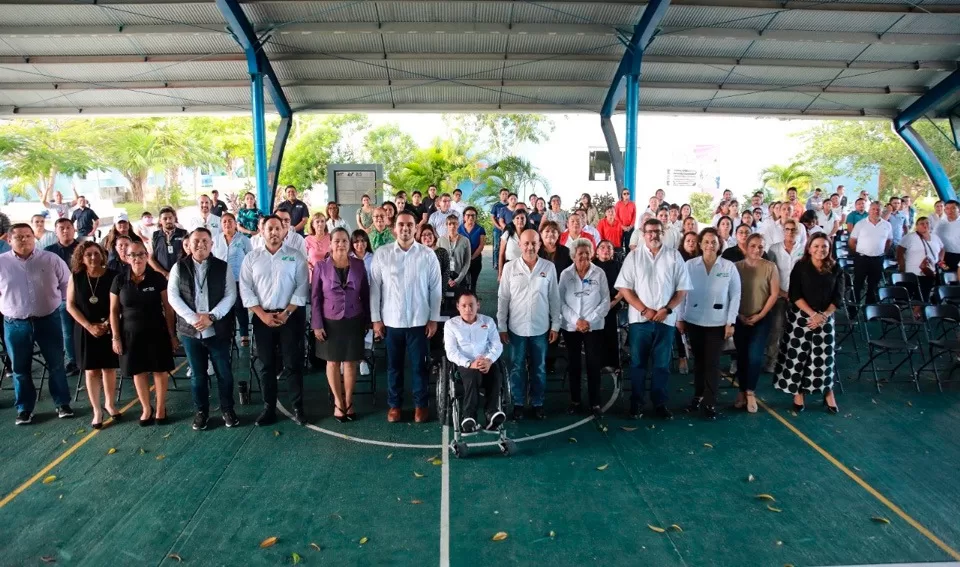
{"x":189,"y":371}
{"x":364,"y":368}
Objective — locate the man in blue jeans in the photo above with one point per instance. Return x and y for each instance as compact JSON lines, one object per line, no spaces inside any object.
{"x":405,"y":292}
{"x":202,"y":292}
{"x":654,"y":281}
{"x":64,"y":246}
{"x":528,"y":318}
{"x":33,"y":284}
{"x":495,"y":220}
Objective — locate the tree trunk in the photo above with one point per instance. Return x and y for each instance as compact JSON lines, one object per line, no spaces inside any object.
{"x":138,"y":181}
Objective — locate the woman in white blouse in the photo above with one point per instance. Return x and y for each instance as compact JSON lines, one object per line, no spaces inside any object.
{"x":921,"y":252}
{"x":585,"y":300}
{"x":510,"y":241}
{"x":707,"y":316}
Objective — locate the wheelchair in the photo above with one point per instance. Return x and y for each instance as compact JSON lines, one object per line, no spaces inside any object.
{"x":449,"y":397}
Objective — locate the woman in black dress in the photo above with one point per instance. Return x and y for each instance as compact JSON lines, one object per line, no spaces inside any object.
{"x":88,"y":302}
{"x":142,"y":323}
{"x":607,"y":262}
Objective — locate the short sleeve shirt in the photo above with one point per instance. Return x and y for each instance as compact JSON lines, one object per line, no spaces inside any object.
{"x":84,"y":219}
{"x":298,"y":211}
{"x":473,"y":236}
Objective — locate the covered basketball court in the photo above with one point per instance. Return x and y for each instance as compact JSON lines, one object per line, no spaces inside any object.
{"x":876,"y":484}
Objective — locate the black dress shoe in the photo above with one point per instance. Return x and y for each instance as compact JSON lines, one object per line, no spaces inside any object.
{"x":267,"y":417}
{"x":538,"y":413}
{"x":798,"y":408}
{"x":694,"y":405}
{"x":299,"y":417}
{"x":148,"y":421}
{"x":635,"y":412}
{"x":709,"y":412}
{"x":831,"y":409}
{"x":663,"y":413}
{"x":573,"y":408}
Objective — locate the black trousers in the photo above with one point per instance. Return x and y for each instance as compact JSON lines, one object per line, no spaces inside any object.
{"x":475,"y":266}
{"x":867,"y":269}
{"x":472,"y":380}
{"x":592,"y":344}
{"x":706,"y":345}
{"x":289,"y":339}
{"x":952,"y":260}
{"x":611,"y":340}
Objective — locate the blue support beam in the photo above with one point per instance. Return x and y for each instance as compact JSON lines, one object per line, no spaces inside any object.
{"x":626,"y":82}
{"x":262,"y":77}
{"x":942,"y":92}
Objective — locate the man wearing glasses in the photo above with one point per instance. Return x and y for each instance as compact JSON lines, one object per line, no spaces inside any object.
{"x":654,"y":281}
{"x":625,"y":212}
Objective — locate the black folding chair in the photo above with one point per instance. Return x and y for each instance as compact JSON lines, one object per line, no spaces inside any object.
{"x":949,"y":294}
{"x":889,"y":319}
{"x":949,"y":278}
{"x":899,"y":296}
{"x":943,"y":337}
{"x":846,"y":330}
{"x":912,"y":284}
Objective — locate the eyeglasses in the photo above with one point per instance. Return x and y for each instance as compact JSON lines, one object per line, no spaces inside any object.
{"x":470,"y":215}
{"x":653,"y":232}
{"x":137,"y":255}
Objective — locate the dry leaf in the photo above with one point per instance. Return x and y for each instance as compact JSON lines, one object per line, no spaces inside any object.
{"x":552,"y":533}
{"x":111,"y":451}
{"x":873,"y":400}
{"x":269,"y":542}
{"x":417,"y":475}
{"x":793,"y":413}
{"x":603,"y":467}
{"x":295,"y":557}
{"x":499,"y":536}
{"x":656,"y":529}
{"x":276,"y":433}
{"x":779,"y":543}
{"x":676,"y":527}
{"x":765,"y":497}
{"x":79,"y":431}
{"x":315,"y":546}
{"x":910,"y":404}
{"x":436,"y":462}
{"x":625,"y":428}
{"x":880,"y":520}
{"x":390,"y":456}
{"x":772,"y":509}
{"x":49,"y":479}
{"x":788,"y":565}
{"x":708,"y":445}
{"x":48,"y":559}
{"x":572,"y":440}
{"x":751,"y":478}
{"x":161,"y":457}
{"x":433,"y":458}
{"x":416,"y":501}
{"x":143,"y":451}
{"x":167,"y":436}
{"x":363,"y":540}
{"x":175,"y":556}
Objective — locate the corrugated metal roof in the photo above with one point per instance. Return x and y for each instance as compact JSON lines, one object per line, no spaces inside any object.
{"x":832,"y":21}
{"x":331,"y":69}
{"x":708,"y":16}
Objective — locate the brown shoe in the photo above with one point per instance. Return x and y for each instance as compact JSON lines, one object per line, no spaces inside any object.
{"x":393,"y":415}
{"x":421,"y":415}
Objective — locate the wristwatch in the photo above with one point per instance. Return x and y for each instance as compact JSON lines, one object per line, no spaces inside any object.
{"x":668,"y":310}
{"x":213,"y":318}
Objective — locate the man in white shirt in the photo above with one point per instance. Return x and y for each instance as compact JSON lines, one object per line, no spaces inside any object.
{"x":869,"y":241}
{"x":273,"y":284}
{"x":405,"y":293}
{"x":671,"y":238}
{"x":528,"y":318}
{"x":44,"y":237}
{"x":587,"y":227}
{"x":439,"y":217}
{"x":948,"y":229}
{"x":458,"y":204}
{"x":654,"y":282}
{"x":206,"y":218}
{"x":472,"y":344}
{"x":202,"y":292}
{"x":828,"y":219}
{"x":291,"y":238}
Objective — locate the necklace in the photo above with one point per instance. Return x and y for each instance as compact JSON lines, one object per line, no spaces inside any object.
{"x":93,"y":290}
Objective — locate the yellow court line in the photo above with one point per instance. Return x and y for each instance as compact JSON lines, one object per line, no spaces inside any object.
{"x":42,"y":472}
{"x":856,"y":478}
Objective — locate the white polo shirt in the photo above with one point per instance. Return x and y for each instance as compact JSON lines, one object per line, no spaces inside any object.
{"x":916,"y":249}
{"x":528,"y":302}
{"x":585,"y":298}
{"x":785,"y":261}
{"x":654,"y":279}
{"x":211,"y":223}
{"x":465,"y":342}
{"x":871,"y":238}
{"x":827,"y":221}
{"x":949,"y":233}
{"x":714,"y":299}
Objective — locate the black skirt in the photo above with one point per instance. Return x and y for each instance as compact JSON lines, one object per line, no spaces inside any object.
{"x":344,"y":341}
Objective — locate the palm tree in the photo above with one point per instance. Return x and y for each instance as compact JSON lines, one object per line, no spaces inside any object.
{"x":781,"y":177}
{"x":514,"y":173}
{"x":445,"y":163}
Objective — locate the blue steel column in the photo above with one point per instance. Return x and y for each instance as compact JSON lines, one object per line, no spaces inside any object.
{"x":633,"y":117}
{"x":264,"y":194}
{"x":934,"y":98}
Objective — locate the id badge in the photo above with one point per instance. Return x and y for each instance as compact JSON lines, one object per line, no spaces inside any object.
{"x":169,"y":249}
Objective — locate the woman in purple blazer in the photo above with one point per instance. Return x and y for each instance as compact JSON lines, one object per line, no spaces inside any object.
{"x":340,"y":306}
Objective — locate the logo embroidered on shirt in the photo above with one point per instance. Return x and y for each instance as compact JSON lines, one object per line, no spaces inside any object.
{"x":543,"y":274}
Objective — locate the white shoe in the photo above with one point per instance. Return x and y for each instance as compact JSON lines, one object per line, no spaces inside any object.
{"x":364,"y":368}
{"x":189,"y":371}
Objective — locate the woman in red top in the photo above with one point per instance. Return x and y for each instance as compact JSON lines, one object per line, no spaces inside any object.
{"x":626,"y":213}
{"x":608,"y":227}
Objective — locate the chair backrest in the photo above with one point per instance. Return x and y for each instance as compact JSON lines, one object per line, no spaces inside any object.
{"x":894,"y":294}
{"x":845,"y":263}
{"x":949,"y":313}
{"x":883,"y":311}
{"x":908,"y":278}
{"x":949,"y":293}
{"x":949,"y":278}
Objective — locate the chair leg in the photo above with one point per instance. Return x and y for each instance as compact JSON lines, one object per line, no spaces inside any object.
{"x":913,"y":372}
{"x":119,"y":385}
{"x":76,"y":396}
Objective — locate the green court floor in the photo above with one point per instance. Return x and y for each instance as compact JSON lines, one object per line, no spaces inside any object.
{"x":579,"y":496}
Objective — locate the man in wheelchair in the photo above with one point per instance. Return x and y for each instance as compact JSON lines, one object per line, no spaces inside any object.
{"x":472,"y":345}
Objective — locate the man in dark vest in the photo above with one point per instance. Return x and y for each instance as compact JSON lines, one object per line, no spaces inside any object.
{"x":201,"y":290}
{"x":167,"y":243}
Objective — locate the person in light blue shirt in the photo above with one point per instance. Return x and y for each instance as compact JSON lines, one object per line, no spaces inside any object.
{"x":898,"y":222}
{"x":232,"y":247}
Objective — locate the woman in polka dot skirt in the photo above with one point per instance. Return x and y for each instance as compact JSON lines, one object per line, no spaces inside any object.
{"x":807,"y":355}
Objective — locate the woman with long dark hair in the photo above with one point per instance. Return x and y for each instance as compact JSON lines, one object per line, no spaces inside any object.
{"x":586,"y":203}
{"x":807,"y":358}
{"x":510,"y":240}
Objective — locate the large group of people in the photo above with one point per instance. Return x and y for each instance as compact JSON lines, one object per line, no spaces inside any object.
{"x":764,"y":276}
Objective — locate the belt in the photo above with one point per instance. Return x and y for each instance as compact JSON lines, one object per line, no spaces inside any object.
{"x":273,"y":310}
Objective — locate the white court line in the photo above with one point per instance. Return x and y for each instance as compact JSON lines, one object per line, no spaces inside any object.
{"x":445,"y":502}
{"x":574,"y":425}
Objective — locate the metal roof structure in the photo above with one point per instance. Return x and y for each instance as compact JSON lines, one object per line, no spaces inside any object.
{"x":829,"y":58}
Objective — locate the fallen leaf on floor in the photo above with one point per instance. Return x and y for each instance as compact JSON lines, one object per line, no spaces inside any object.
{"x":276,"y":433}
{"x":269,"y":542}
{"x":793,"y":413}
{"x":417,"y":475}
{"x":390,"y":456}
{"x":873,"y":400}
{"x":63,"y":441}
{"x":910,"y":404}
{"x":295,"y":557}
{"x":751,"y":478}
{"x":499,"y":536}
{"x":552,"y":533}
{"x":603,"y":467}
{"x":708,"y":445}
{"x":60,"y":497}
{"x":765,"y":497}
{"x":176,"y":557}
{"x":143,"y":451}
{"x":572,"y":440}
{"x":416,"y":501}
{"x":788,"y":565}
{"x":48,"y":559}
{"x":315,"y":546}
{"x":111,"y":451}
{"x":161,"y":457}
{"x":625,"y":428}
{"x":772,"y":509}
{"x":433,"y":458}
{"x":167,"y":436}
{"x":50,"y":479}
{"x":779,"y":543}
{"x":676,"y":527}
{"x":857,"y":469}
{"x":436,"y":462}
{"x":364,"y":540}
{"x":880,"y":520}
{"x":652,"y":426}
{"x":80,"y":431}
{"x":656,"y":529}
